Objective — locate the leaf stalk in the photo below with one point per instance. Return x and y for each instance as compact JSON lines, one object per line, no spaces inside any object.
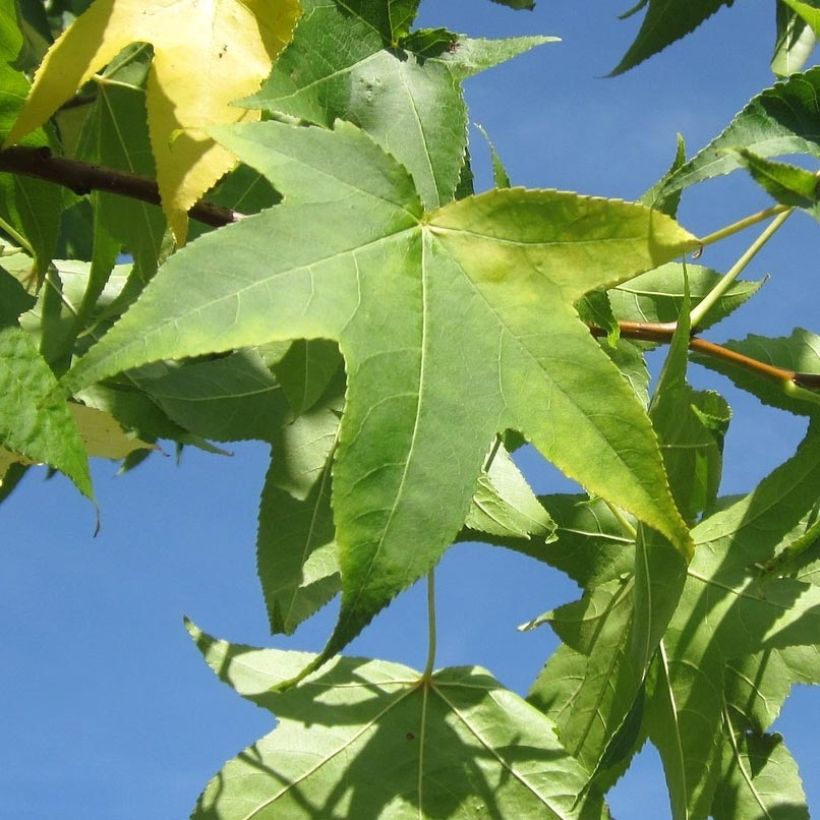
{"x":714,"y":295}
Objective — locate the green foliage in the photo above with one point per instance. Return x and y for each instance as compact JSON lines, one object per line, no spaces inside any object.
{"x":393,"y":337}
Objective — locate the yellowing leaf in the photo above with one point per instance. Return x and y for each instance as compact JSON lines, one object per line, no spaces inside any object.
{"x":102,"y":435}
{"x":206,"y":54}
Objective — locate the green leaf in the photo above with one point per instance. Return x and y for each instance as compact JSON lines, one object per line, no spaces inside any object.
{"x":788,"y":184}
{"x":799,"y":352}
{"x":30,"y":209}
{"x":691,"y":425}
{"x":343,"y":64}
{"x":728,"y":610}
{"x":472,"y":55}
{"x":758,"y":778}
{"x":657,"y":296}
{"x":35,"y":421}
{"x":655,"y":196}
{"x":455,"y":325}
{"x":14,"y":299}
{"x":517,"y":4}
{"x":501,"y":179}
{"x":11,"y":38}
{"x":456,"y":744}
{"x":235,"y":398}
{"x":306,"y":370}
{"x":795,"y":39}
{"x":757,"y":685}
{"x":780,"y":120}
{"x":116,"y":136}
{"x":808,"y":10}
{"x":665,"y":22}
{"x":505,"y":506}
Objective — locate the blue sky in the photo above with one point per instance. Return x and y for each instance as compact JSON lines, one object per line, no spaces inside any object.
{"x":110,"y":713}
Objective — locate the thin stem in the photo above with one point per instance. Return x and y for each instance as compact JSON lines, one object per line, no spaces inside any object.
{"x":742,"y":224}
{"x":714,"y":295}
{"x":431,"y":625}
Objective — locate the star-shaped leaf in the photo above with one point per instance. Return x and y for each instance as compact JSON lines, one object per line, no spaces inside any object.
{"x":206,"y":55}
{"x":376,"y":739}
{"x":455,"y":325}
{"x":349,"y":61}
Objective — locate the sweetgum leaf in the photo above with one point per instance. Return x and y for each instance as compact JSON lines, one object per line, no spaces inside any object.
{"x":35,"y":421}
{"x":594,"y":685}
{"x":455,"y":325}
{"x":456,"y":744}
{"x":665,"y":22}
{"x":729,"y":610}
{"x":782,"y":119}
{"x":31,"y":206}
{"x":759,"y":778}
{"x":786,"y":183}
{"x":206,"y":55}
{"x":657,"y":296}
{"x":808,"y":11}
{"x":795,"y":39}
{"x":116,"y":136}
{"x":343,"y":64}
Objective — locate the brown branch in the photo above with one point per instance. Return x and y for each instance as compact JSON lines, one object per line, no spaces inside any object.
{"x":657,"y":332}
{"x":83,"y":177}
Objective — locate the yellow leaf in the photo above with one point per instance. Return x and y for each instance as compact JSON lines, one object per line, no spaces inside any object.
{"x":102,"y":435}
{"x":207,"y":53}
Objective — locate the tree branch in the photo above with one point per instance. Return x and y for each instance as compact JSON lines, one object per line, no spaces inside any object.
{"x":83,"y":177}
{"x":656,"y":332}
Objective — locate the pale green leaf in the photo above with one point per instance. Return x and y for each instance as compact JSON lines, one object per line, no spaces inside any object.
{"x":783,"y":119}
{"x":472,"y":55}
{"x":455,"y":745}
{"x":657,"y":296}
{"x":808,"y":10}
{"x":504,"y":504}
{"x":795,"y":39}
{"x":477,"y":295}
